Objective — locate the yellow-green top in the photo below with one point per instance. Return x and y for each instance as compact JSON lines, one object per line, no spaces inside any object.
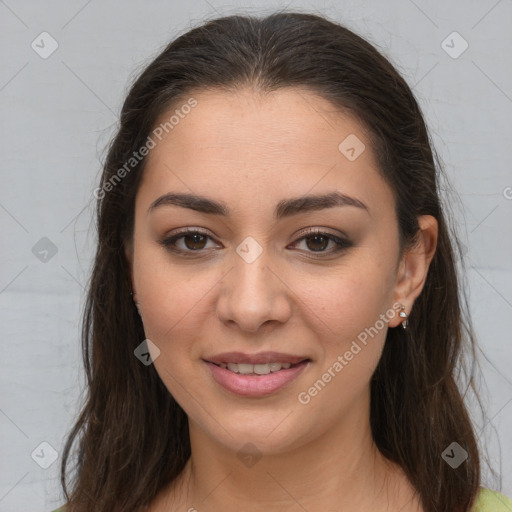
{"x":487,"y":501}
{"x":492,"y":501}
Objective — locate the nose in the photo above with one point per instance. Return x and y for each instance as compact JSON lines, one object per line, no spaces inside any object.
{"x":253,"y":294}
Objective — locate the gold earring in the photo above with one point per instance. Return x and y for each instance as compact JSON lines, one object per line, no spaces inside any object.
{"x":403,"y":315}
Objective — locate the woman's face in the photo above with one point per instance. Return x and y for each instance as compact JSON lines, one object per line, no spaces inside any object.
{"x":255,"y":279}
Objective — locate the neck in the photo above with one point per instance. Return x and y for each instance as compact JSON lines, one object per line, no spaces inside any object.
{"x":341,"y":470}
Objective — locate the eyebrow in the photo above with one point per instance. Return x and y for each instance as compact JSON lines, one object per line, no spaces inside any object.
{"x":285,"y":208}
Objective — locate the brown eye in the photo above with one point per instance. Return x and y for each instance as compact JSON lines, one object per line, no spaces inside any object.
{"x":187,"y":242}
{"x":195,"y":241}
{"x":317,"y":242}
{"x":192,"y":241}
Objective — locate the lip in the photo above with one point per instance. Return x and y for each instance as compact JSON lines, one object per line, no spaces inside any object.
{"x":259,"y":358}
{"x":256,"y":385}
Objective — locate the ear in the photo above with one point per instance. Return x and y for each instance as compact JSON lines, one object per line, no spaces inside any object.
{"x":414,"y":265}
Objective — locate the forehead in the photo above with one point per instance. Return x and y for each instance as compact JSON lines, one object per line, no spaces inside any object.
{"x":285,"y":122}
{"x":286,"y":142}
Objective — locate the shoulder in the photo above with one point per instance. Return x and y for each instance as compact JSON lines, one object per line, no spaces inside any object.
{"x":491,"y":501}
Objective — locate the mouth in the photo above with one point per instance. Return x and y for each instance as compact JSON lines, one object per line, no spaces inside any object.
{"x":258,"y":369}
{"x":256,"y":380}
{"x":261,"y":363}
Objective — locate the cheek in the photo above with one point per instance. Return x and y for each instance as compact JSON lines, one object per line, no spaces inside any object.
{"x":351,"y":346}
{"x":351,"y":298}
{"x":349,"y":327}
{"x":170,"y":296}
{"x":173,"y":311}
{"x":178,"y":316}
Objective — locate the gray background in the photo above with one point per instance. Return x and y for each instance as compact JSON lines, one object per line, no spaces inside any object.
{"x":58,"y":114}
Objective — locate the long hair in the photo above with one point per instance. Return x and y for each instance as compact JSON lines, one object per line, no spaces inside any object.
{"x":132,"y":436}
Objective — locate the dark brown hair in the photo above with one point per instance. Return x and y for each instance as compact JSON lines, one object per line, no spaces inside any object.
{"x":132,"y":436}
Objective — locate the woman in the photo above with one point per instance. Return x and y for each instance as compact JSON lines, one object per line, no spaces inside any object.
{"x":274,"y":320}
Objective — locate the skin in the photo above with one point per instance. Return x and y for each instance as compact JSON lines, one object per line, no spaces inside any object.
{"x":251,"y":151}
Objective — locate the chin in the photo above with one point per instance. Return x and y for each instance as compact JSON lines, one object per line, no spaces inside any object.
{"x":262,"y":439}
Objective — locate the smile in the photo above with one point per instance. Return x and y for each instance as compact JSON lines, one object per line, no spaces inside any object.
{"x":256,"y":380}
{"x":255,"y":369}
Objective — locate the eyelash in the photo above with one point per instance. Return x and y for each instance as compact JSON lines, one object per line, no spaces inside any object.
{"x":169,"y":242}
